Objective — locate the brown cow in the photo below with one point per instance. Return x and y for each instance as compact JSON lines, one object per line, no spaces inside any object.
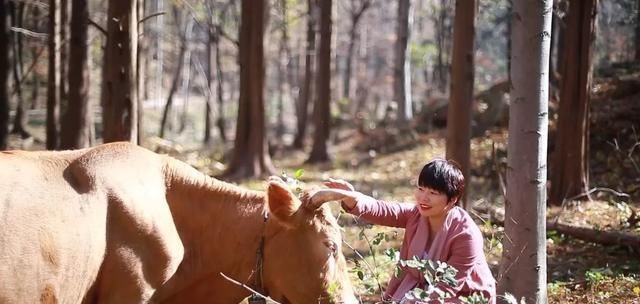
{"x":120,"y":224}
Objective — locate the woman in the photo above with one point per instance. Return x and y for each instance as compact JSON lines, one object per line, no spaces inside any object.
{"x":435,"y":229}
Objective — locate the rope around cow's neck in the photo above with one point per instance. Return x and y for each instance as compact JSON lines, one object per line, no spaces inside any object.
{"x":255,"y":298}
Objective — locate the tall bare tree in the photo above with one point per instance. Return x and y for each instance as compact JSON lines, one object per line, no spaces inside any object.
{"x":120,"y":113}
{"x":77,"y":118}
{"x":20,"y":119}
{"x":570,"y":163}
{"x":402,"y":63}
{"x":180,"y":17}
{"x":461,"y":92}
{"x":523,"y":268}
{"x":53,"y":82}
{"x":4,"y":74}
{"x":637,"y":31}
{"x":442,"y":25}
{"x":322,"y":104}
{"x":357,"y":9}
{"x":250,"y":157}
{"x":302,"y":106}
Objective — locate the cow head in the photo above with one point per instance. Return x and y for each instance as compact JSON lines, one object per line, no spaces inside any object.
{"x":303,"y":250}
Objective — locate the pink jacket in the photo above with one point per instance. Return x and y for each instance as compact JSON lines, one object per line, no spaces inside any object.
{"x":459,"y":243}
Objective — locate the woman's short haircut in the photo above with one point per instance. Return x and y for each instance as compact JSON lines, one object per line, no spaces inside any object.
{"x":444,"y":176}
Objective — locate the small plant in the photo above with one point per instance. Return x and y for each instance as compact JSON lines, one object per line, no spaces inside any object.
{"x":435,"y":274}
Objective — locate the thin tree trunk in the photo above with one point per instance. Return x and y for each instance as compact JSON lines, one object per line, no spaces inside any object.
{"x":120,"y":106}
{"x":356,"y":16}
{"x":302,"y":109}
{"x":210,"y":83}
{"x":53,"y":82}
{"x":221,"y":122}
{"x":322,"y":105}
{"x":570,"y":174}
{"x":64,"y":58}
{"x":75,"y":128}
{"x":20,"y":119}
{"x":461,"y":92}
{"x":141,"y":66}
{"x":35,"y":89}
{"x":523,"y":268}
{"x":4,"y":74}
{"x":402,"y":64}
{"x":637,"y":32}
{"x":250,"y":157}
{"x":174,"y":86}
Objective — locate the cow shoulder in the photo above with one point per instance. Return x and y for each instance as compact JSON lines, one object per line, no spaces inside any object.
{"x":143,"y":245}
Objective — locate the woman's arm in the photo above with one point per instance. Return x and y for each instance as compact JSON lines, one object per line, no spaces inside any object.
{"x":368,"y":208}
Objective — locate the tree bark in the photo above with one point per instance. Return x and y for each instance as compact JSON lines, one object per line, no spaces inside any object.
{"x":356,"y":16}
{"x":35,"y":89}
{"x":141,"y":66}
{"x":302,"y":109}
{"x":176,"y":77}
{"x":402,"y":64}
{"x":221,"y":122}
{"x":637,"y":32}
{"x":443,"y":37}
{"x":120,"y":113}
{"x":523,"y":268}
{"x":250,"y":157}
{"x":570,"y":174}
{"x":322,"y":105}
{"x":210,"y":82}
{"x":53,"y":82}
{"x":20,"y":119}
{"x":461,"y":98}
{"x":4,"y":74}
{"x":64,"y":58}
{"x":76,"y":133}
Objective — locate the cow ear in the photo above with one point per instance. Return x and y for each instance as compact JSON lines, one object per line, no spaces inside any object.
{"x":282,"y":203}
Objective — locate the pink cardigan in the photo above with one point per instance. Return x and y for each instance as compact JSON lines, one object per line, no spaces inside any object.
{"x":459,"y":243}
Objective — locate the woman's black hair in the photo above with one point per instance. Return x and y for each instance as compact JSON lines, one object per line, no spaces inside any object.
{"x":444,"y":176}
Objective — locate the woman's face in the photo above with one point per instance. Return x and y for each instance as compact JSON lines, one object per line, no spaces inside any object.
{"x":431,"y":202}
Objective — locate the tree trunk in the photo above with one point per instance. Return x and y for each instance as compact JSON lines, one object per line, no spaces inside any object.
{"x":75,"y":133}
{"x":354,"y":37}
{"x":35,"y":88}
{"x":570,"y":174}
{"x":523,"y":268}
{"x":443,"y":33}
{"x":210,"y":82}
{"x":141,"y":66}
{"x":174,"y":84}
{"x":250,"y":157}
{"x":4,"y":74}
{"x":120,"y":113}
{"x":53,"y":82}
{"x":302,"y":109}
{"x":461,"y":92}
{"x":221,"y":122}
{"x":64,"y":58}
{"x":402,"y":64}
{"x":637,"y":31}
{"x":20,"y":119}
{"x":322,"y":105}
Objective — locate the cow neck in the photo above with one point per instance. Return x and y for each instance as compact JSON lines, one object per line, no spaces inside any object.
{"x":216,"y":221}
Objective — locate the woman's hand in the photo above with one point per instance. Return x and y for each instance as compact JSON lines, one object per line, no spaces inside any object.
{"x":339,"y":184}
